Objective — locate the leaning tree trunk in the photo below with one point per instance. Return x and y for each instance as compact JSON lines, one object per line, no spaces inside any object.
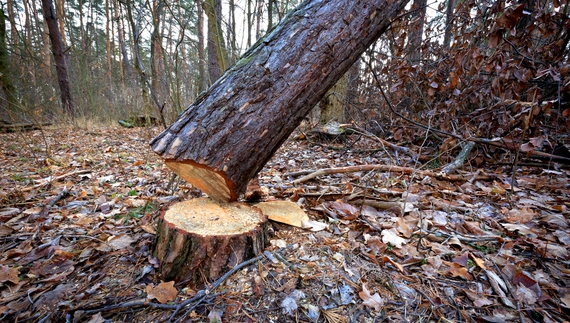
{"x":224,"y":138}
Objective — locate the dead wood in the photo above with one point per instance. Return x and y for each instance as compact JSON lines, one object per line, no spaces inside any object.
{"x":387,"y":168}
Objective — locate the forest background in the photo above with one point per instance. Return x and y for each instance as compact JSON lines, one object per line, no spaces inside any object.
{"x":474,"y":67}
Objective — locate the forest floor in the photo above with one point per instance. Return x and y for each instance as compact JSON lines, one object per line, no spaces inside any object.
{"x":399,"y":243}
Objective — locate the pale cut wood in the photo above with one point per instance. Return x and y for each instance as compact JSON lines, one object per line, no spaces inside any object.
{"x":197,"y":241}
{"x":284,"y":211}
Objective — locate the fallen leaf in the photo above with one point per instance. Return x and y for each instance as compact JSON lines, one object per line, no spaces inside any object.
{"x":120,"y":242}
{"x":9,"y":274}
{"x":314,"y":225}
{"x":390,"y":236}
{"x":97,"y":318}
{"x":457,"y":270}
{"x":163,"y":292}
{"x":374,"y":301}
{"x":50,"y":299}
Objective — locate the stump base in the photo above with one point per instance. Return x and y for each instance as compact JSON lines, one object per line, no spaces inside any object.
{"x":197,"y":241}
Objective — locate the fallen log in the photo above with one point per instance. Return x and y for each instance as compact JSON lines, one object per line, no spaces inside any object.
{"x":224,"y":138}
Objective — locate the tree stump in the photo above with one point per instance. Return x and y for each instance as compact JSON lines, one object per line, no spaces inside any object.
{"x":197,"y":241}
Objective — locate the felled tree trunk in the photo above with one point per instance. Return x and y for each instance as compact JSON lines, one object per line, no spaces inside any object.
{"x":224,"y":138}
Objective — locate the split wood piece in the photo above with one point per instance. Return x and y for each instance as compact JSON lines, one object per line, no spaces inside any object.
{"x":230,"y":132}
{"x":197,"y":241}
{"x":283,"y":211}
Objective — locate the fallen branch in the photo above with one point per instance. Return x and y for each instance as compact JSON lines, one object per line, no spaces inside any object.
{"x":387,"y":168}
{"x":201,"y":295}
{"x":54,"y":179}
{"x":460,"y":160}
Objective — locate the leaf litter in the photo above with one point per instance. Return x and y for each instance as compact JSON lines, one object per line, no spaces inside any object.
{"x":77,"y":227}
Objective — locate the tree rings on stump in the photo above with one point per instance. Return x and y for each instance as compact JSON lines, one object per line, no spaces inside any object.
{"x":199,"y":240}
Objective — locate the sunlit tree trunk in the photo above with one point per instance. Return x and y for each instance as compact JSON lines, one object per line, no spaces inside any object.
{"x":58,"y":54}
{"x":61,"y":14}
{"x":333,"y":103}
{"x":157,"y":66}
{"x":217,"y":55}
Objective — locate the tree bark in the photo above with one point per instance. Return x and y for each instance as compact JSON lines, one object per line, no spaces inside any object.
{"x":224,"y":138}
{"x":11,"y":102}
{"x":203,"y":81}
{"x":448,"y":24}
{"x":59,"y":57}
{"x":416,"y":30}
{"x":217,"y":56}
{"x":197,"y":241}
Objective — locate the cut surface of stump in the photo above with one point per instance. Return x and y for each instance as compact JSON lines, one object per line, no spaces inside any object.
{"x":199,"y":240}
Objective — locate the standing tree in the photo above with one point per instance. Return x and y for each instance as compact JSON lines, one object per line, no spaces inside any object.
{"x":59,"y":56}
{"x":224,"y":138}
{"x":5,"y":79}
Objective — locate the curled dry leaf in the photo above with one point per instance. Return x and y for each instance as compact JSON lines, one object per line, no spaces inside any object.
{"x":374,"y":301}
{"x":163,"y":292}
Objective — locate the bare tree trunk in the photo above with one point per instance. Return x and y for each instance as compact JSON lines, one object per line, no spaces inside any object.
{"x":156,"y":52}
{"x":11,"y":102}
{"x":448,"y":23}
{"x":125,"y":56}
{"x":224,"y":138}
{"x":203,"y":81}
{"x":58,"y":54}
{"x":217,"y":56}
{"x":108,"y":45}
{"x":61,"y":14}
{"x":138,"y":64}
{"x":259,"y":16}
{"x":270,"y":14}
{"x":249,"y":22}
{"x":14,"y":38}
{"x":416,"y":30}
{"x":333,"y":103}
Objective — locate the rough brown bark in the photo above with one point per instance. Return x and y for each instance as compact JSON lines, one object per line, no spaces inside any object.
{"x":59,"y":57}
{"x":224,"y":138}
{"x":197,"y":241}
